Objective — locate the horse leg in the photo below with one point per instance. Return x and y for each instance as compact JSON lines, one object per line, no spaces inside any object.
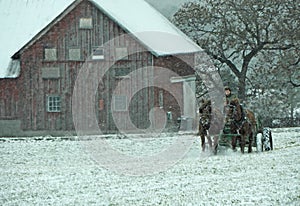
{"x":202,"y":141}
{"x":250,"y":142}
{"x":233,"y":142}
{"x":202,"y":136}
{"x":243,"y":143}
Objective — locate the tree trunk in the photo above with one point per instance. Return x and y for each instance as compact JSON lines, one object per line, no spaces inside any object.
{"x":292,"y":116}
{"x":242,"y":88}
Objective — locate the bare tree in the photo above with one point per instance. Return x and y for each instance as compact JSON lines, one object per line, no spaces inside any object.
{"x":234,"y":32}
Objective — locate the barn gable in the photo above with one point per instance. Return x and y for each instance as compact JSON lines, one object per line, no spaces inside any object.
{"x":21,"y":21}
{"x":141,"y":20}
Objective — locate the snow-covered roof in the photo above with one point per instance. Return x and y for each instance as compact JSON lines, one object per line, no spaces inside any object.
{"x":22,"y":20}
{"x":153,"y":29}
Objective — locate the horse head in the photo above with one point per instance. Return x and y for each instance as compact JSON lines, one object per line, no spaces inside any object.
{"x":234,"y":111}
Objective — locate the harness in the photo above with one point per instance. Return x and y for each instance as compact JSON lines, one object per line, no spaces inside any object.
{"x":243,"y":119}
{"x":239,"y":123}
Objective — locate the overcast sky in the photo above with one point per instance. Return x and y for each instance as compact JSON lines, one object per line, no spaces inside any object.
{"x":167,"y":7}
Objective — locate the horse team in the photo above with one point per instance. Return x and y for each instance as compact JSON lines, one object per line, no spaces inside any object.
{"x":235,"y":121}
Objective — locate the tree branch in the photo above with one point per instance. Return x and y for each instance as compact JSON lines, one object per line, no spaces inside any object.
{"x":278,"y":48}
{"x":225,"y":61}
{"x":294,"y":84}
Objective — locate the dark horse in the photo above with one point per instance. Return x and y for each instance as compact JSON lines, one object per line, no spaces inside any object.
{"x":204,"y":122}
{"x":236,"y":119}
{"x":210,"y":122}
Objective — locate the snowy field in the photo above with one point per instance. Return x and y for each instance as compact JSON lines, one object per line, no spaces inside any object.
{"x":60,"y":172}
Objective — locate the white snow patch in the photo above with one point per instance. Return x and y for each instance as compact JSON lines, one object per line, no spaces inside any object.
{"x":59,"y":172}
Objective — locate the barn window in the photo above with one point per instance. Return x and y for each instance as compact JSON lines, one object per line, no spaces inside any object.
{"x":98,"y":53}
{"x":50,"y":54}
{"x":53,"y":103}
{"x":121,"y":53}
{"x":85,"y":23}
{"x":74,"y":54}
{"x":50,"y":73}
{"x":120,"y":103}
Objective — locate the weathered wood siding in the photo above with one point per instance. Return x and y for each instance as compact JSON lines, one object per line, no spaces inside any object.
{"x":65,"y":35}
{"x":9,"y":99}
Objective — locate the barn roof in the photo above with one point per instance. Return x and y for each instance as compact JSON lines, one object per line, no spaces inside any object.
{"x":154,"y":30}
{"x":20,"y":21}
{"x":27,"y":21}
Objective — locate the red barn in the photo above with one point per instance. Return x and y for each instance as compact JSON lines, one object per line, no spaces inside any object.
{"x":122,"y":47}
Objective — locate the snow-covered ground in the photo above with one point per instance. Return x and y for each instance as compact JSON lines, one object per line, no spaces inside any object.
{"x":60,"y":172}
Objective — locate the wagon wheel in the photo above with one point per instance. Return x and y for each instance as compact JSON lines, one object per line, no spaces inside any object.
{"x":267,"y":139}
{"x":271,"y":140}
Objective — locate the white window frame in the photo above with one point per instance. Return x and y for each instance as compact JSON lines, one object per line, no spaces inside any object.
{"x":53,"y":103}
{"x":98,"y":53}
